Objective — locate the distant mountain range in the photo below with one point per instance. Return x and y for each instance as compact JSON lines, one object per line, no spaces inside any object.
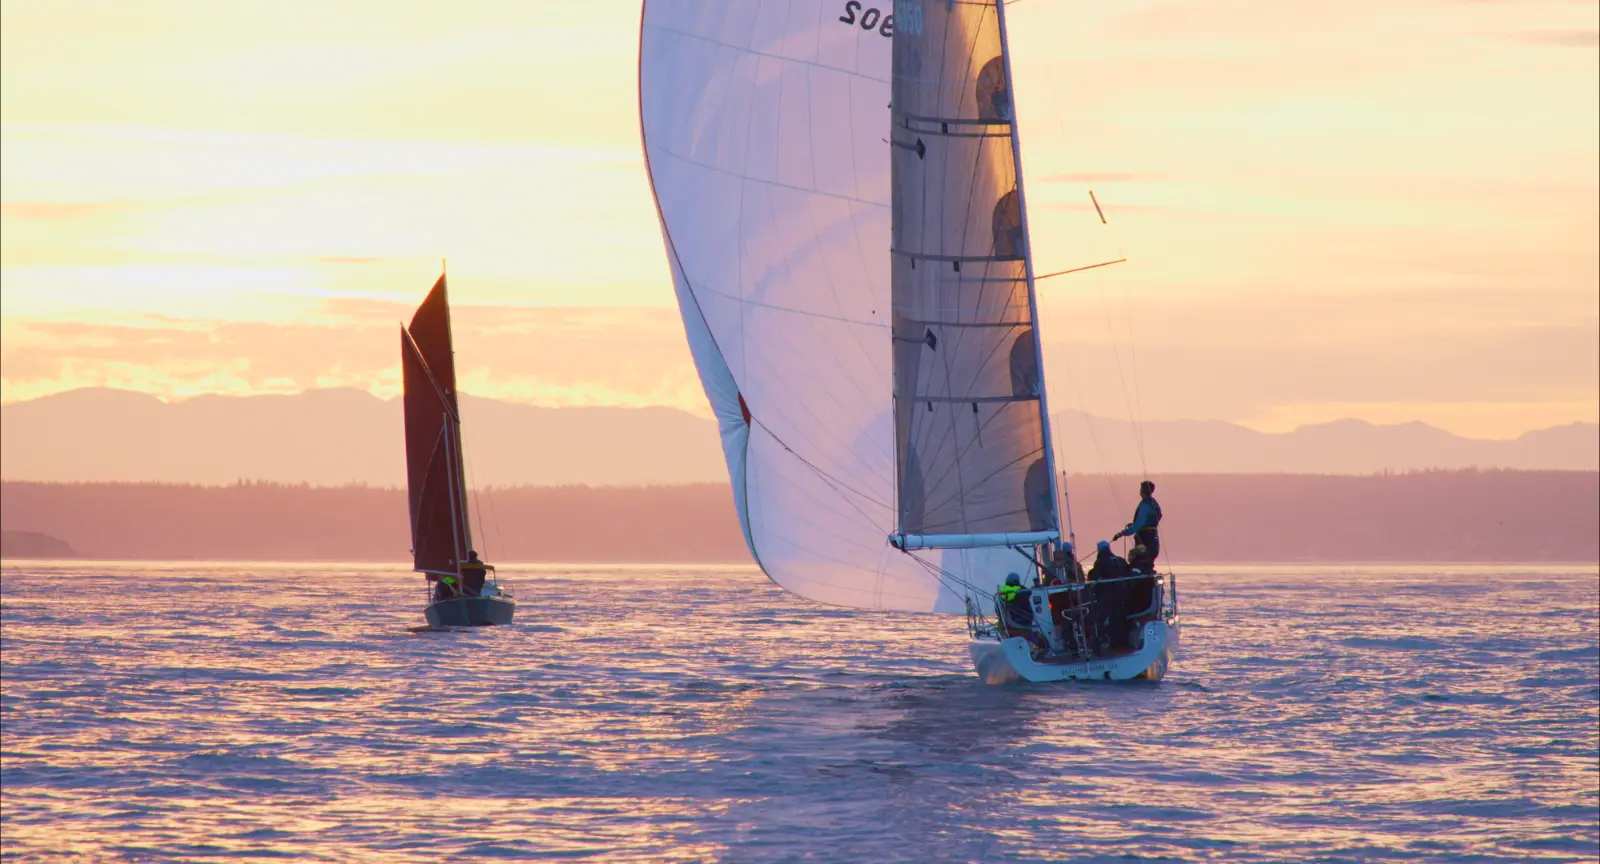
{"x":1523,"y":517}
{"x":339,"y":436}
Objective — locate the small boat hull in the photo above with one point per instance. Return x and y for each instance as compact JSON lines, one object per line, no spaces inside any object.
{"x":1008,"y":660}
{"x":470,"y":612}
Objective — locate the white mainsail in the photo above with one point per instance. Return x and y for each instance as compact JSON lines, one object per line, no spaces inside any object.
{"x":764,"y":128}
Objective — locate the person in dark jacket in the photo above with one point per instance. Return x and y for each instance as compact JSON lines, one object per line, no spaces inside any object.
{"x":1110,"y":594}
{"x":1140,"y":561}
{"x":1145,"y":519}
{"x":1107,"y":564}
{"x":473,"y":572}
{"x":1066,"y":564}
{"x":1140,"y":595}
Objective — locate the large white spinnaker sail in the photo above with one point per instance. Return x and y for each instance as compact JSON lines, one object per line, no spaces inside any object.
{"x":764,"y":129}
{"x":975,"y":466}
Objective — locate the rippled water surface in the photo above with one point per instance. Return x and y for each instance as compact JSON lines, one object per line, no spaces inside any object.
{"x":190,"y":712}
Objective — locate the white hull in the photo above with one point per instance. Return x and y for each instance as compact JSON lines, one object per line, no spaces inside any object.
{"x":1008,"y":660}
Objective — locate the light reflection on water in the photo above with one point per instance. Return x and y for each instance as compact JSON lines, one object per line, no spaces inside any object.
{"x":175,"y":712}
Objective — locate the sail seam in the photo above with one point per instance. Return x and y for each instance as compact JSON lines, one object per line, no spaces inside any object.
{"x":746,"y":301}
{"x":777,"y":184}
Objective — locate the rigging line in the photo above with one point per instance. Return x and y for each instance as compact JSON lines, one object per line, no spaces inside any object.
{"x":1081,"y":269}
{"x":939,"y":576}
{"x":1133,"y":416}
{"x":961,"y":451}
{"x":779,"y":409}
{"x":1138,"y":439}
{"x":494,"y":517}
{"x":477,"y":496}
{"x":986,"y":478}
{"x":945,"y":577}
{"x":1094,"y":437}
{"x":1138,"y":402}
{"x":1066,"y":503}
{"x":832,"y":482}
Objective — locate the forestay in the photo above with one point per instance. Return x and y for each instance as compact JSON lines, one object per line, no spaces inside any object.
{"x":974,"y":466}
{"x":439,"y":528}
{"x":764,"y":129}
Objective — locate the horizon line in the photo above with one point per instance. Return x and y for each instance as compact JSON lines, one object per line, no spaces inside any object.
{"x":308,"y":486}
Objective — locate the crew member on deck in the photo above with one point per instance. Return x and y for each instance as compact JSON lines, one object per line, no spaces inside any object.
{"x":1066,"y":563}
{"x":1145,"y":519}
{"x":1109,"y":578}
{"x":1015,"y":598}
{"x":1107,"y":564}
{"x":1139,"y":559}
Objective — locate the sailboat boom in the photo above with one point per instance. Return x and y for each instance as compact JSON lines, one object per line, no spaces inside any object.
{"x":909,"y":542}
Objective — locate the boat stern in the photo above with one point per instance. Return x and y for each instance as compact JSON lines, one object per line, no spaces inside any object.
{"x":989,"y":658}
{"x":1008,"y":660}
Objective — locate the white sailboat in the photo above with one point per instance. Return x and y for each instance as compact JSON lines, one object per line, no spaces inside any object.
{"x":857,"y":289}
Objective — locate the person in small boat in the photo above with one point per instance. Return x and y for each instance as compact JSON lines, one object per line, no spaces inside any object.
{"x":444,"y":587}
{"x":1146,"y":517}
{"x":473,"y":572}
{"x":1140,"y":560}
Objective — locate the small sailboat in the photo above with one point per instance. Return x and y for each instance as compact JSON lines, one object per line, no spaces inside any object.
{"x":462,"y":590}
{"x":840,"y":193}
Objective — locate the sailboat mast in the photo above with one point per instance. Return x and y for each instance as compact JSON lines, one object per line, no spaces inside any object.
{"x":1027,"y":263}
{"x":453,"y":478}
{"x":459,"y":493}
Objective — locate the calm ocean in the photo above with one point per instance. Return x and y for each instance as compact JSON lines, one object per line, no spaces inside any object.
{"x":192,"y":712}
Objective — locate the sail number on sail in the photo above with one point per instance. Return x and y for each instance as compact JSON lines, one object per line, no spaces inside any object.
{"x":909,"y":14}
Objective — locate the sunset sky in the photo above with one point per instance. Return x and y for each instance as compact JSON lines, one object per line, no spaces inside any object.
{"x":1384,"y":210}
